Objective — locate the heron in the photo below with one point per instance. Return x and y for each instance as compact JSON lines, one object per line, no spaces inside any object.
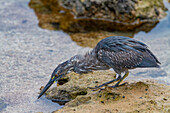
{"x":117,"y":52}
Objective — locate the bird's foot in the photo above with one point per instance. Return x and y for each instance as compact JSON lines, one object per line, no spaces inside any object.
{"x":104,"y":84}
{"x":117,"y":85}
{"x":96,"y":88}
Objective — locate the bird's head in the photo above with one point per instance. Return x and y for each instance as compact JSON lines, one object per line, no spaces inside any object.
{"x":58,"y":73}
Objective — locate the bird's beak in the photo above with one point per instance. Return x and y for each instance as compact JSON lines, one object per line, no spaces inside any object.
{"x":51,"y":81}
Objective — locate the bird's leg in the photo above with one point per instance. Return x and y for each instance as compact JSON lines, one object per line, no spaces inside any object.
{"x":117,"y":84}
{"x":106,"y":83}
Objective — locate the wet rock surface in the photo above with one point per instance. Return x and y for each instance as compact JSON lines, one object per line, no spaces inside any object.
{"x":90,"y":39}
{"x":94,"y":15}
{"x":145,"y":95}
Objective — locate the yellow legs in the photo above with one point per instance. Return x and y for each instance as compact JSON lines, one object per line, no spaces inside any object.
{"x":117,"y":84}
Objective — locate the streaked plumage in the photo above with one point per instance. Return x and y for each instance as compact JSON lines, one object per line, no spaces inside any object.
{"x":122,"y":53}
{"x":117,"y":52}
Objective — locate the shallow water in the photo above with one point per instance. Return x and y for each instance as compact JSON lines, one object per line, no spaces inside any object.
{"x":158,"y":40}
{"x":28,"y":55}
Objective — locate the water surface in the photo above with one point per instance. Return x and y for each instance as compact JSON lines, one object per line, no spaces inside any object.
{"x":28,"y":55}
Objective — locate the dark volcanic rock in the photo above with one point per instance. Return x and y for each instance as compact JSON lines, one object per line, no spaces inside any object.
{"x":118,"y":10}
{"x":94,"y":15}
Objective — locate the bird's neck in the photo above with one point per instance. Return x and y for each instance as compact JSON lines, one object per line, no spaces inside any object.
{"x":87,"y":63}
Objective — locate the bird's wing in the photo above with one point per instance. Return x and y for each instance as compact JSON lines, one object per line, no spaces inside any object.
{"x":125,"y":53}
{"x":120,"y":43}
{"x":122,"y":59}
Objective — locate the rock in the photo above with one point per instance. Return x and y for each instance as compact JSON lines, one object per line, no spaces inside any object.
{"x":79,"y":100}
{"x":65,"y":93}
{"x":95,"y":15}
{"x":73,"y":89}
{"x":136,"y":96}
{"x":127,"y":98}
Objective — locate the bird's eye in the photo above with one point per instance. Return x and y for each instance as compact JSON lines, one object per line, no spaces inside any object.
{"x":56,"y":75}
{"x":52,"y":77}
